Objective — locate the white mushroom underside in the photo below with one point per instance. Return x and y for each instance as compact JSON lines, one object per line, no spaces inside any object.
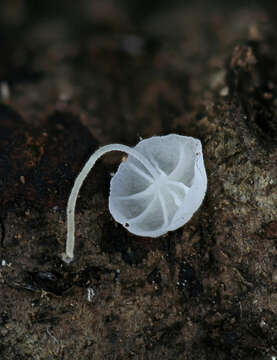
{"x":149,"y":205}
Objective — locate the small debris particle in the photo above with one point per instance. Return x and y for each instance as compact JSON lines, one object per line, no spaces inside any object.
{"x":5,"y":92}
{"x":22,"y":179}
{"x":268,"y":96}
{"x":52,"y":336}
{"x":3,"y":262}
{"x":64,"y":96}
{"x":91,"y":294}
{"x":224,"y":91}
{"x":262,"y":323}
{"x":255,"y":33}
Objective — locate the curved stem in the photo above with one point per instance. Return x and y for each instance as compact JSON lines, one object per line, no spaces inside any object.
{"x":71,"y":204}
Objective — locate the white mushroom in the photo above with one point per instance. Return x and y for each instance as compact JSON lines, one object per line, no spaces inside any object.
{"x":156,"y":190}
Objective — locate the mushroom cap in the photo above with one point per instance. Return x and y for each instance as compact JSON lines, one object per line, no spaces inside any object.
{"x":148,"y":205}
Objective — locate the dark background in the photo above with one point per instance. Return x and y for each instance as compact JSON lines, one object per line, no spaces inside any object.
{"x":78,"y":75}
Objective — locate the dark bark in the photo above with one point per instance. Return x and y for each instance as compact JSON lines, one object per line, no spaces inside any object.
{"x":75,"y":77}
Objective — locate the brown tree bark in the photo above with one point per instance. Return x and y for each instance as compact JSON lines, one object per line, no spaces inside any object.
{"x":75,"y":78}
